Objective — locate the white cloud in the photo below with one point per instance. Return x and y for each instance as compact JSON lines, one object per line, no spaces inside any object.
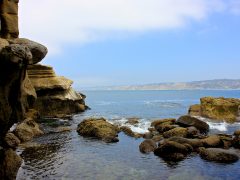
{"x":56,"y":22}
{"x":235,"y":7}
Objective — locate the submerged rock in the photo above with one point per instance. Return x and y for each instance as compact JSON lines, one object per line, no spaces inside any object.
{"x":218,"y":155}
{"x":147,"y":146}
{"x":98,"y":128}
{"x":187,"y":121}
{"x":224,"y":109}
{"x":129,"y":132}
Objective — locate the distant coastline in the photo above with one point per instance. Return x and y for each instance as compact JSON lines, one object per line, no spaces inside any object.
{"x":217,"y":84}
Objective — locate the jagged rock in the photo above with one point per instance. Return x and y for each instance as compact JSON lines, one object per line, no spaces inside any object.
{"x":38,"y":50}
{"x":28,"y":129}
{"x":13,"y":64}
{"x":147,"y":146}
{"x":9,"y":165}
{"x":187,"y":121}
{"x":98,"y":128}
{"x":11,"y":140}
{"x":224,"y":109}
{"x":178,"y":132}
{"x":56,"y":98}
{"x":212,"y":141}
{"x":9,"y":18}
{"x":129,"y":132}
{"x":194,"y":110}
{"x":218,"y":155}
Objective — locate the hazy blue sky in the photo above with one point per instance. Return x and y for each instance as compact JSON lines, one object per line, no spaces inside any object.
{"x":122,"y":42}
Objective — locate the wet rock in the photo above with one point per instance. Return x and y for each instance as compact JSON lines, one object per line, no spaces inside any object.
{"x":227,"y":140}
{"x":10,"y":162}
{"x":173,"y":151}
{"x":187,"y":121}
{"x":194,"y":110}
{"x":179,"y":132}
{"x":98,"y":128}
{"x":218,"y":155}
{"x":192,"y":131}
{"x":161,"y":128}
{"x":195,"y":143}
{"x":129,"y":132}
{"x":38,"y":50}
{"x":157,"y":138}
{"x":147,"y":146}
{"x":212,"y":141}
{"x":133,"y":121}
{"x":28,"y":129}
{"x":169,"y":121}
{"x":222,"y":109}
{"x":11,"y":140}
{"x":148,"y":135}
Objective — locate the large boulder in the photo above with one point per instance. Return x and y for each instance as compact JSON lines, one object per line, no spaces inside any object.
{"x":178,"y":132}
{"x":173,"y":151}
{"x":38,"y":50}
{"x":147,"y":146}
{"x":195,"y":143}
{"x":187,"y":121}
{"x":218,"y":155}
{"x":223,"y":109}
{"x":98,"y":128}
{"x":212,"y":141}
{"x":28,"y":129}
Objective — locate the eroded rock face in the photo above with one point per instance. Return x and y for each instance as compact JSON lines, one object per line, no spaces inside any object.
{"x":13,"y":65}
{"x":9,"y":18}
{"x":99,"y":128}
{"x":226,"y":109}
{"x":56,"y":98}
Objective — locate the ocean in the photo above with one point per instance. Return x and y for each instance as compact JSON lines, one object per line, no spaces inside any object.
{"x":70,"y":156}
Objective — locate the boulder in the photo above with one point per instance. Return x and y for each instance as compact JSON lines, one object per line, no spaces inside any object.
{"x":157,"y":138}
{"x":179,"y":132}
{"x":212,"y":141}
{"x":132,"y":121}
{"x":194,"y":110}
{"x":161,"y":128}
{"x":187,"y":121}
{"x":148,"y":135}
{"x":173,"y":151}
{"x":195,"y":143}
{"x":222,"y":109}
{"x":98,"y":128}
{"x":218,"y":155}
{"x":237,"y":133}
{"x":28,"y":129}
{"x":10,"y":162}
{"x":38,"y":50}
{"x":3,"y":43}
{"x":129,"y":132}
{"x":11,"y":140}
{"x":192,"y":131}
{"x":147,"y":146}
{"x":169,"y":121}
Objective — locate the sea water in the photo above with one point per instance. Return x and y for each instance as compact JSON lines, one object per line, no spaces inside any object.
{"x":70,"y":156}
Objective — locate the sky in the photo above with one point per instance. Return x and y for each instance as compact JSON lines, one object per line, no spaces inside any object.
{"x":130,"y":42}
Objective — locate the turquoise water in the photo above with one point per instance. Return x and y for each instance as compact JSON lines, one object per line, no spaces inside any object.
{"x":69,"y":156}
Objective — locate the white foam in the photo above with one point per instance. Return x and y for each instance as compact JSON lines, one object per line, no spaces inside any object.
{"x":218,"y":126}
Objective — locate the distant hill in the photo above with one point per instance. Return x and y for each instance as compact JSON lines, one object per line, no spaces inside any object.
{"x":218,"y":84}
